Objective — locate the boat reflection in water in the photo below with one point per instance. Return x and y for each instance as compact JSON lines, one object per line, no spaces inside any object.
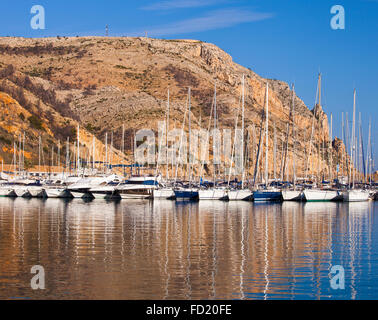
{"x":140,"y":249}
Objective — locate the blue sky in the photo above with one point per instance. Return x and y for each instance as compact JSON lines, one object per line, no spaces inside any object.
{"x":290,"y":40}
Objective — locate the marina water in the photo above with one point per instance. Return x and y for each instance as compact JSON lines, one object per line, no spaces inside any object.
{"x":139,"y":249}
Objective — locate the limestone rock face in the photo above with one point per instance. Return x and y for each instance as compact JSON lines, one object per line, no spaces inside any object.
{"x":107,"y":82}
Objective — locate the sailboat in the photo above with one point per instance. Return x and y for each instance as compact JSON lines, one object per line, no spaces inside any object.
{"x":163,"y":191}
{"x":267,"y":194}
{"x":242,"y":193}
{"x":186,"y":192}
{"x":325,"y":194}
{"x":214,"y":192}
{"x":293,"y":194}
{"x":354,"y":195}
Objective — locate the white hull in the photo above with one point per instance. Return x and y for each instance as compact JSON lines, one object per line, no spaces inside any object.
{"x":106,"y":192}
{"x":239,"y":194}
{"x":320,"y":195}
{"x":79,"y":195}
{"x":355,"y":195}
{"x":166,"y":193}
{"x":134,"y":196}
{"x":6,"y":192}
{"x":135,"y":191}
{"x":212,"y":194}
{"x":36,"y":192}
{"x":21,"y":192}
{"x":292,"y":195}
{"x":56,"y":193}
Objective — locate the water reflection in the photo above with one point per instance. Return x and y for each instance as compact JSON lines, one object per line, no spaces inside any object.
{"x":206,"y":250}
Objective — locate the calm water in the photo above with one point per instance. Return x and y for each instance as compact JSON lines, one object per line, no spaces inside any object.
{"x":205,"y":250}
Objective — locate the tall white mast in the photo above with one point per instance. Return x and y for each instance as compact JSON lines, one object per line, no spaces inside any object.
{"x":330,"y":149}
{"x":275,"y":152}
{"x":106,"y":152}
{"x":353,"y":144}
{"x":294,"y":137}
{"x":78,"y":150}
{"x":93,"y":152}
{"x":368,"y":155}
{"x":68,"y":165}
{"x":39,"y":154}
{"x":167,"y":132}
{"x":189,"y":158}
{"x":342,"y":139}
{"x":242,"y":133}
{"x":266,"y":133}
{"x":215,"y":127}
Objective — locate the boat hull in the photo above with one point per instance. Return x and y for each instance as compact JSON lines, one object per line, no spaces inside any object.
{"x":21,"y":192}
{"x":321,"y":195}
{"x":239,"y":195}
{"x":57,"y":193}
{"x":355,"y":195}
{"x":186,"y":194}
{"x":36,"y":192}
{"x":292,"y":195}
{"x":7,"y":192}
{"x":166,"y":193}
{"x":266,"y":195}
{"x":212,"y":194}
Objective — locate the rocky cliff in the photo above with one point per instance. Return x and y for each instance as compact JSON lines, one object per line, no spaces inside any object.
{"x":102,"y":83}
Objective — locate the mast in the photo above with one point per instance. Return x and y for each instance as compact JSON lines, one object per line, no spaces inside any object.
{"x":78,"y":150}
{"x":274,"y":152}
{"x":362,"y":153}
{"x":94,"y":148}
{"x":313,"y":122}
{"x":342,"y":138}
{"x":330,"y":150}
{"x":106,"y":152}
{"x":189,"y":158}
{"x":353,"y":144}
{"x":294,"y":138}
{"x":39,"y":154}
{"x":167,"y":132}
{"x":242,"y":132}
{"x":368,"y":155}
{"x":215,"y":127}
{"x":58,"y":159}
{"x":266,"y":134}
{"x":68,"y":166}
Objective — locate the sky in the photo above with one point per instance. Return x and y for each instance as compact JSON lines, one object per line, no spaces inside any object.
{"x":289,"y":40}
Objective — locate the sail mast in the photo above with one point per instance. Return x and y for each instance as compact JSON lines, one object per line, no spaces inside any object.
{"x":189,"y":157}
{"x":266,"y":133}
{"x":167,"y":131}
{"x":353,"y":144}
{"x":294,"y":137}
{"x":242,"y":133}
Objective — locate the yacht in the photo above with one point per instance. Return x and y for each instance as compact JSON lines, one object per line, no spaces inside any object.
{"x":138,"y":187}
{"x":321,"y":195}
{"x":239,"y":194}
{"x":213,"y":194}
{"x":355,"y":195}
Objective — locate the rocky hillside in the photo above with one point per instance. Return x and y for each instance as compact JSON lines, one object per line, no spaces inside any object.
{"x":50,"y":85}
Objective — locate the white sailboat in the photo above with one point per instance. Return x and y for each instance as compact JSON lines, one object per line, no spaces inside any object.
{"x":213,"y":193}
{"x":243,"y":193}
{"x":293,"y":194}
{"x":267,"y":194}
{"x":163,"y":191}
{"x":354,"y":195}
{"x":320,"y":194}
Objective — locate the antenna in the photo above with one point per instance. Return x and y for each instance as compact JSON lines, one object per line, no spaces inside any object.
{"x":107,"y":30}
